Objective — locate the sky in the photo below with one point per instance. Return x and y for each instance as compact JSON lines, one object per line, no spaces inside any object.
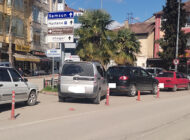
{"x":119,"y":10}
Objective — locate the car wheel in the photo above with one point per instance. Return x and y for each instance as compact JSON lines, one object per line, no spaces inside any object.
{"x":32,"y":99}
{"x":188,"y":86}
{"x":132,"y":91}
{"x":61,"y":99}
{"x":97,"y":99}
{"x":174,"y":88}
{"x":154,"y":89}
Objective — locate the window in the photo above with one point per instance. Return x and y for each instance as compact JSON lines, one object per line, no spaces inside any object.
{"x":178,"y":75}
{"x":16,"y":77}
{"x":188,"y":22}
{"x":166,"y":74}
{"x":4,"y":76}
{"x":82,"y":69}
{"x":143,"y":73}
{"x":36,"y":14}
{"x":1,"y":22}
{"x":17,"y":26}
{"x":100,"y":71}
{"x":36,"y":38}
{"x":18,"y":4}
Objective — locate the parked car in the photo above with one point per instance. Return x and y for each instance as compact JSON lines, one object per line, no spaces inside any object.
{"x":82,"y":80}
{"x":154,"y":70}
{"x":129,"y":80}
{"x":173,"y":80}
{"x":10,"y":80}
{"x":7,"y":64}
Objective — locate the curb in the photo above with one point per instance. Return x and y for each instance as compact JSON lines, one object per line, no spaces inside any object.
{"x":49,"y":93}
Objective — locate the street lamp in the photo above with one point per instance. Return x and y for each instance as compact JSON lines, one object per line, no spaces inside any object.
{"x":177,"y":38}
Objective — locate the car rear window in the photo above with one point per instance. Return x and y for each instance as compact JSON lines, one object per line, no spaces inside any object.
{"x":166,"y":74}
{"x":82,"y":69}
{"x":117,"y":71}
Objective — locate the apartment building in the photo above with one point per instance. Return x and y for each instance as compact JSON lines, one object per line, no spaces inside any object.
{"x":28,"y":31}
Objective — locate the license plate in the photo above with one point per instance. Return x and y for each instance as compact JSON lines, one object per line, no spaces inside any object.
{"x":161,"y":85}
{"x":112,"y":85}
{"x":76,"y":89}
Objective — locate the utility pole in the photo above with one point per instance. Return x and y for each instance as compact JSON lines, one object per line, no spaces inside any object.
{"x":177,"y":38}
{"x":101,"y":4}
{"x":10,"y":35}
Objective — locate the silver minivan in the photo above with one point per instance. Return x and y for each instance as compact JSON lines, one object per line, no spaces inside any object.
{"x":82,"y":80}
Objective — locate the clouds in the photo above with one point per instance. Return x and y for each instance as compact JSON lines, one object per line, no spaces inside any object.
{"x":115,"y":25}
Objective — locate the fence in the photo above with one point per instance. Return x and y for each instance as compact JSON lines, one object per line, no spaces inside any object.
{"x":52,"y":82}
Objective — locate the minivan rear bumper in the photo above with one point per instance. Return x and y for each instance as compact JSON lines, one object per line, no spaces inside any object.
{"x":78,"y":95}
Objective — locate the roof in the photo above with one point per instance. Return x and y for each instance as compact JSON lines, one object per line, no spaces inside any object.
{"x":186,"y":7}
{"x":67,"y":8}
{"x":142,"y":28}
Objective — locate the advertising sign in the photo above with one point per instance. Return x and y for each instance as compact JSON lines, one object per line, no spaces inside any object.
{"x":53,"y":53}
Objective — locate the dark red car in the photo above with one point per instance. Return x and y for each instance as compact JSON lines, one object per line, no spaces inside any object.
{"x":172,"y":80}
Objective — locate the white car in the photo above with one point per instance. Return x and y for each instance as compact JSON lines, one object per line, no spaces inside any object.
{"x":11,"y":80}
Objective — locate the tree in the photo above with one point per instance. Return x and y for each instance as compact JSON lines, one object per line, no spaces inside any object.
{"x":94,"y":42}
{"x":126,"y":47}
{"x":169,"y":26}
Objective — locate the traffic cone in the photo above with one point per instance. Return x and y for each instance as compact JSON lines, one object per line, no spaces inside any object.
{"x":107,"y":97}
{"x":138,"y":97}
{"x":158,"y":93}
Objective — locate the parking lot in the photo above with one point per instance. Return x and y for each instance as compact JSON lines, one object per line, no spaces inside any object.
{"x":131,"y":118}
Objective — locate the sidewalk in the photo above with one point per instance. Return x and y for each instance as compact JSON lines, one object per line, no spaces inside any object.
{"x":39,"y":80}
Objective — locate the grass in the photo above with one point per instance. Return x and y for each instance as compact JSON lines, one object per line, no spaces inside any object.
{"x":50,"y":89}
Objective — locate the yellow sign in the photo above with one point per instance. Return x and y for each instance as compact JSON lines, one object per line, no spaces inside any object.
{"x":22,"y":48}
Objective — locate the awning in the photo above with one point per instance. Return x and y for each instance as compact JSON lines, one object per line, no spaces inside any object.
{"x":21,"y":57}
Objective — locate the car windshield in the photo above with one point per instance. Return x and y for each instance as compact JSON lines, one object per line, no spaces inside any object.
{"x":81,"y":69}
{"x":166,"y":74}
{"x":150,"y":70}
{"x":117,"y":71}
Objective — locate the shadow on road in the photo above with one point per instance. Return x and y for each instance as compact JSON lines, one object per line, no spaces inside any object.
{"x":81,"y":100}
{"x":7,"y":107}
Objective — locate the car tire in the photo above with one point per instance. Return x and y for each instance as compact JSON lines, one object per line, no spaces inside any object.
{"x":132,"y":91}
{"x":61,"y":99}
{"x":97,"y":99}
{"x":32,"y":99}
{"x":174,"y":89}
{"x":154,"y":89}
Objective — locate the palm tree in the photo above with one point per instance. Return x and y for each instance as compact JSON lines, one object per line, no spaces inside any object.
{"x":126,"y":47}
{"x":94,"y":42}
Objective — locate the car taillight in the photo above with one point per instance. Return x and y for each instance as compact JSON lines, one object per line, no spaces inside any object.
{"x":123,"y":78}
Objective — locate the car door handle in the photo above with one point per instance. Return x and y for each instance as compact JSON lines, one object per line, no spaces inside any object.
{"x":16,"y":85}
{"x":1,"y":85}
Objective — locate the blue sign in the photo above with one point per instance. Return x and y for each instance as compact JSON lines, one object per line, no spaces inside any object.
{"x":60,"y":15}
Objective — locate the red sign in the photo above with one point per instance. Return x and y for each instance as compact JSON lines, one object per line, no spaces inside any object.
{"x":176,"y":61}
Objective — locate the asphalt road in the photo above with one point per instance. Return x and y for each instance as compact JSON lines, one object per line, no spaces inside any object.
{"x":164,"y":118}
